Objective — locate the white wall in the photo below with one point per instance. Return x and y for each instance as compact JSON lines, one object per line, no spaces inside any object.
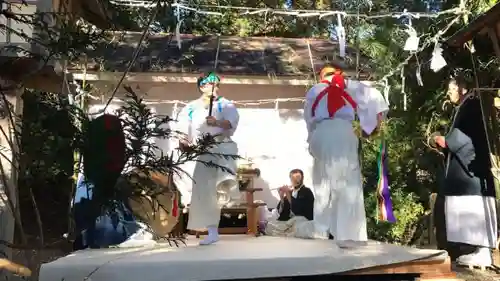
{"x":275,"y":140}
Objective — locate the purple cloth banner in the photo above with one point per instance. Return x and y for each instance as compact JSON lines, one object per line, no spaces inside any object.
{"x":384,"y":203}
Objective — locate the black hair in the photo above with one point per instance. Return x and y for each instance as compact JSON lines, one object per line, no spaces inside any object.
{"x":460,"y":81}
{"x":462,"y":78}
{"x":295,"y":171}
{"x":198,"y":82}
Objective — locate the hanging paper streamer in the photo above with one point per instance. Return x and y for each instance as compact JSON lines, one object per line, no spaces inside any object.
{"x":387,"y":88}
{"x":437,"y":60}
{"x":405,"y":97}
{"x":384,"y":203}
{"x":178,"y":34}
{"x":418,"y":75}
{"x":413,"y":40}
{"x":340,"y":35}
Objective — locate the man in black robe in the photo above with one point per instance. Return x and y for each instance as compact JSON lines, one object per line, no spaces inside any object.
{"x":294,"y":214}
{"x":296,"y":200}
{"x":468,"y":191}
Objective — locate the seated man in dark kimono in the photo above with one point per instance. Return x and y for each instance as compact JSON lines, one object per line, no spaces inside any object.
{"x":467,"y":196}
{"x":295,"y":206}
{"x":296,"y":200}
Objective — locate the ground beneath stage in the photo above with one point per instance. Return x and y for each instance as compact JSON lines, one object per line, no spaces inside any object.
{"x":234,"y":257}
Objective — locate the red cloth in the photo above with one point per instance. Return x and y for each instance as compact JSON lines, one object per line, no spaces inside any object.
{"x":175,"y":207}
{"x":336,"y":96}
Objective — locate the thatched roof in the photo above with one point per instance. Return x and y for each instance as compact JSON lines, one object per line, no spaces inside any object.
{"x":264,"y":56}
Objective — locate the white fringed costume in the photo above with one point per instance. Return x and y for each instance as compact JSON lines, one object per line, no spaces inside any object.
{"x":206,"y":182}
{"x":339,"y":205}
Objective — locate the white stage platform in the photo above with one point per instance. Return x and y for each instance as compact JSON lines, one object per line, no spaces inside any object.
{"x":234,"y":257}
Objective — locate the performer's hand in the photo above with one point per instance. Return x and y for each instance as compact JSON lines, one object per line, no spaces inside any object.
{"x":283,"y":190}
{"x":211,"y":121}
{"x":281,"y":193}
{"x":439,"y":140}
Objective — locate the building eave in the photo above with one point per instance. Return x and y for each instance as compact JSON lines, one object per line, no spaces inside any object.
{"x":151,"y":77}
{"x":155,"y":77}
{"x":491,"y":18}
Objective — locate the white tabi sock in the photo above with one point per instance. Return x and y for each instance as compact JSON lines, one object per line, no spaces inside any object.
{"x":480,"y":257}
{"x":346,"y":244}
{"x":320,"y":231}
{"x":212,"y":237}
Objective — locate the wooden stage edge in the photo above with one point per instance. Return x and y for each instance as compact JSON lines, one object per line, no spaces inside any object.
{"x":427,"y":269}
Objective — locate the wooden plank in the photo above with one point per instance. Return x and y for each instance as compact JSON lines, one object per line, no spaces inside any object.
{"x":233,"y":230}
{"x":494,"y":40}
{"x":431,"y":227}
{"x":251,"y":210}
{"x":222,"y":230}
{"x":427,"y":269}
{"x":234,"y":210}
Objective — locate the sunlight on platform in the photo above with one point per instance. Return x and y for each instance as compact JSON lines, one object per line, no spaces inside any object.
{"x":234,"y":257}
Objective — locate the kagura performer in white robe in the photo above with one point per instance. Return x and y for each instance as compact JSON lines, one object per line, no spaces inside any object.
{"x":329,"y":112}
{"x":194,"y":121}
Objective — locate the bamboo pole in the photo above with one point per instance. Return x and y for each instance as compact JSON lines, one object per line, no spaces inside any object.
{"x":15,"y":268}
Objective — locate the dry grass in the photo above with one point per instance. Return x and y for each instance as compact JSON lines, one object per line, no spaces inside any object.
{"x":476,"y":275}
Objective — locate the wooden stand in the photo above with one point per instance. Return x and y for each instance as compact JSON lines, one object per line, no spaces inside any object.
{"x":252,"y":217}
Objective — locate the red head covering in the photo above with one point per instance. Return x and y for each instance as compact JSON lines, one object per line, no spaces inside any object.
{"x":326,"y":71}
{"x":337,"y":76}
{"x":336,"y":94}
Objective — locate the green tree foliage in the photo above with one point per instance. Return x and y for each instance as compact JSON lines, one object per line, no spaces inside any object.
{"x":46,"y":155}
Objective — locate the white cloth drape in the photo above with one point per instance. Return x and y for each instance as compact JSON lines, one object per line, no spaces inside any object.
{"x":370,"y":103}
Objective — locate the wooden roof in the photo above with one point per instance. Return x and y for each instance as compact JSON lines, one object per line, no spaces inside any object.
{"x":261,"y":56}
{"x":29,"y":72}
{"x":489,"y":19}
{"x":96,"y":12}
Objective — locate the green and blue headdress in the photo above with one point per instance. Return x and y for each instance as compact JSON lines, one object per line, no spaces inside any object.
{"x":209,"y":78}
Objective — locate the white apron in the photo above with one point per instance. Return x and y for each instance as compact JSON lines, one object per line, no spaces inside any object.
{"x":211,"y":186}
{"x":471,"y":219}
{"x":339,"y":205}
